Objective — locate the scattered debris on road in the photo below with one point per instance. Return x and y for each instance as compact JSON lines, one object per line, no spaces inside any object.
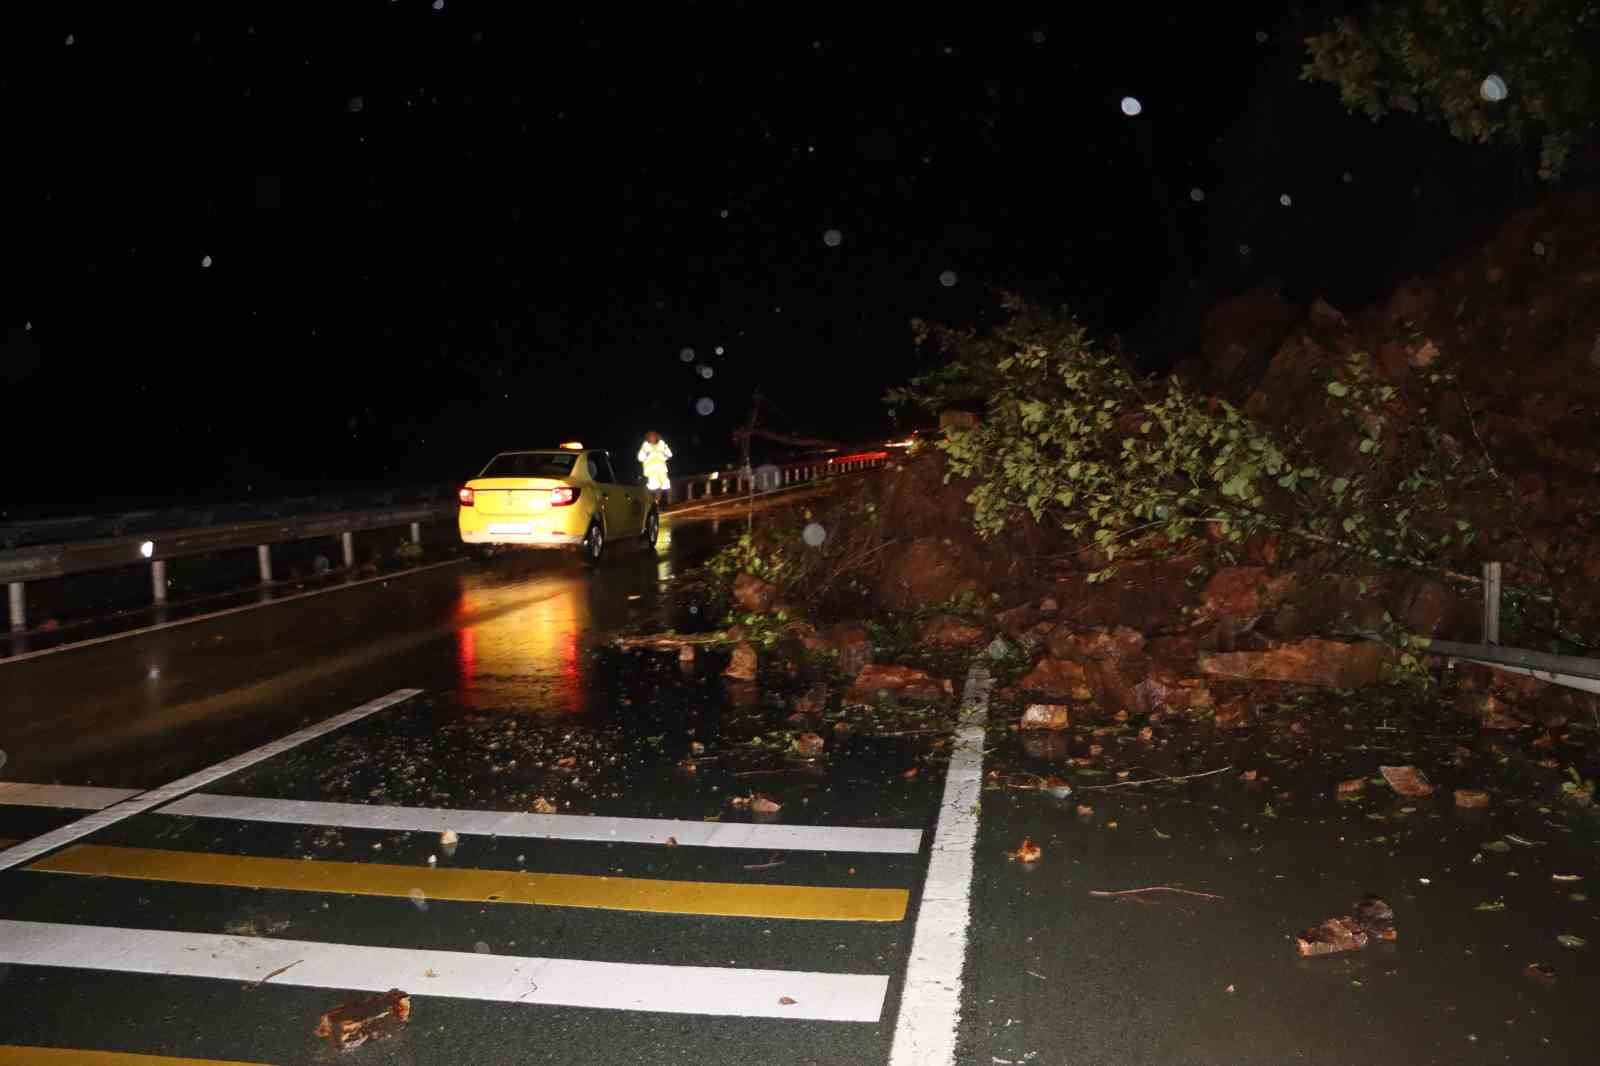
{"x":353,"y":1024}
{"x":1046,"y":716}
{"x":1406,"y":780}
{"x":1027,"y":851}
{"x":1540,"y":972}
{"x":1472,"y":799}
{"x":1371,"y":918}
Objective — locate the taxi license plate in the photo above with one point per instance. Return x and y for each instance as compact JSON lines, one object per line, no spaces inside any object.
{"x":511,"y":527}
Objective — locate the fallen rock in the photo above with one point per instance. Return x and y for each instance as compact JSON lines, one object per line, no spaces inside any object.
{"x":753,"y":594}
{"x":742,"y":667}
{"x":1406,"y":780}
{"x":948,"y":631}
{"x":1329,"y":663}
{"x":808,"y":744}
{"x":1371,"y":918}
{"x":813,"y":702}
{"x":352,"y":1024}
{"x":1027,"y":851}
{"x":1352,"y":787}
{"x":1046,"y":716}
{"x":1097,"y":644}
{"x":878,"y":680}
{"x":1472,"y":799}
{"x":1059,"y":678}
{"x":852,"y":643}
{"x":1243,"y":593}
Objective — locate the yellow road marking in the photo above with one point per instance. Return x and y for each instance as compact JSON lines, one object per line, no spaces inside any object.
{"x":717,"y":898}
{"x":17,"y":1055}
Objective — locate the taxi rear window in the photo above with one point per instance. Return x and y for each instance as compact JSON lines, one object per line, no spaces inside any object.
{"x":530,"y":464}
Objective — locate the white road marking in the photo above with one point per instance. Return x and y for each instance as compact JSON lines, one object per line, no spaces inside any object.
{"x":144,"y":801}
{"x":930,"y":1006}
{"x":553,"y":826}
{"x":175,"y":623}
{"x":73,"y":797}
{"x":453,"y":974}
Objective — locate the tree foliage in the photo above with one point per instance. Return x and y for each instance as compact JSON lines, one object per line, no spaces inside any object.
{"x":1433,"y":57}
{"x":1073,"y":438}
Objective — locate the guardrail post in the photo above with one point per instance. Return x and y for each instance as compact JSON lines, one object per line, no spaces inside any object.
{"x":347,"y":541}
{"x":158,"y":580}
{"x":264,"y":562}
{"x":416,"y":532}
{"x":1491,"y":603}
{"x":17,"y":597}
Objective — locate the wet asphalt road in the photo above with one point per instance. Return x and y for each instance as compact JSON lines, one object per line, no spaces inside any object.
{"x":519,"y":710}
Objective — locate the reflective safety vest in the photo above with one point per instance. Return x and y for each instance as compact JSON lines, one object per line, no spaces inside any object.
{"x":653,"y":457}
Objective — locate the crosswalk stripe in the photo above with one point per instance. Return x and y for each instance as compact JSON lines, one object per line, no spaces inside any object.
{"x":73,"y":797}
{"x":144,"y":801}
{"x":19,"y":1055}
{"x":758,"y":836}
{"x":785,"y":994}
{"x":714,"y":898}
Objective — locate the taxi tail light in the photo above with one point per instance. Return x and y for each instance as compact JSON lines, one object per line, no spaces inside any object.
{"x":467,"y":496}
{"x":563,"y":496}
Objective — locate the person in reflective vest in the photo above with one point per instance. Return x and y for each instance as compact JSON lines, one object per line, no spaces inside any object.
{"x":653,"y":456}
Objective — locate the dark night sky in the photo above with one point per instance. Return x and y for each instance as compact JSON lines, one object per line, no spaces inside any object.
{"x":262,"y":247}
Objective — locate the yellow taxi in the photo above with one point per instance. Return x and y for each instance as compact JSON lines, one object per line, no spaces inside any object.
{"x":564,"y":497}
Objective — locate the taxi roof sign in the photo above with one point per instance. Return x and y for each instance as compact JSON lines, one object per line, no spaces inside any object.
{"x":572,"y":445}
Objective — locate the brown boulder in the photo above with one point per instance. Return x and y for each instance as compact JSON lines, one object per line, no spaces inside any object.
{"x":851,"y":642}
{"x":926,"y":571}
{"x":1145,"y":595}
{"x":1102,"y":642}
{"x":1433,"y":609}
{"x":753,"y":594}
{"x":742,"y":667}
{"x":1240,"y":333}
{"x":1046,"y":716}
{"x":1243,"y":593}
{"x":1058,"y":678}
{"x":1329,"y":663}
{"x":878,"y":680}
{"x":948,"y":631}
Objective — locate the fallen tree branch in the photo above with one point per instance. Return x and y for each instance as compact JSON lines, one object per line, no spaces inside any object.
{"x":1160,"y":777}
{"x":667,"y":641}
{"x":1135,"y":893}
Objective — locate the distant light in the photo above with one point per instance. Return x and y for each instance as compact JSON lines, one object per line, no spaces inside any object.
{"x":704,"y":405}
{"x":714,"y":475}
{"x":1284,"y":200}
{"x":572,"y":445}
{"x":147,"y":549}
{"x":1131,"y":106}
{"x":1197,"y":194}
{"x":1493,"y":88}
{"x":948,"y":279}
{"x":205,"y":262}
{"x":833,"y":238}
{"x":687,"y":355}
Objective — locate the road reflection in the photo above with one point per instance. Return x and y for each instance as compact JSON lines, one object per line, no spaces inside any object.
{"x":519,"y":651}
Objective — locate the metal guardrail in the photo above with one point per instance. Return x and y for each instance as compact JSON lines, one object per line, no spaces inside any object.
{"x":1570,"y":671}
{"x":142,"y":539}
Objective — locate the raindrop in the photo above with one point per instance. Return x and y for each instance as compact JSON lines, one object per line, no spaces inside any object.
{"x":1493,"y":88}
{"x":704,"y":405}
{"x":719,"y":349}
{"x":1538,"y":247}
{"x":724,"y":212}
{"x":693,"y":609}
{"x":27,"y":327}
{"x":814,"y":535}
{"x":948,"y":279}
{"x":687,"y":355}
{"x":1261,"y":37}
{"x":705,"y":371}
{"x":355,"y":103}
{"x":480,"y":947}
{"x":205,"y":262}
{"x":1244,"y":250}
{"x":1197,"y":194}
{"x":833,"y":238}
{"x":1284,"y":200}
{"x":1348,"y":178}
{"x":1131,"y":106}
{"x":71,"y":40}
{"x":1038,"y":37}
{"x":438,"y":5}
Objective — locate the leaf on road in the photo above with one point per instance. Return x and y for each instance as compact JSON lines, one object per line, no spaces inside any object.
{"x":543,"y":806}
{"x":1027,"y":851}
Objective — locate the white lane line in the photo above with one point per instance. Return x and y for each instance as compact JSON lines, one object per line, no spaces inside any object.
{"x":552,"y":826}
{"x":89,"y":642}
{"x":453,"y":974}
{"x":73,"y":797}
{"x":144,"y":801}
{"x":930,"y":1006}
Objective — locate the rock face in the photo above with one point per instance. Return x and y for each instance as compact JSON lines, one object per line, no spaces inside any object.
{"x":752,"y":594}
{"x":948,"y":631}
{"x":927,"y":571}
{"x":742,"y":667}
{"x":1060,"y":679}
{"x":878,"y":681}
{"x":1329,"y":663}
{"x":1096,"y":644}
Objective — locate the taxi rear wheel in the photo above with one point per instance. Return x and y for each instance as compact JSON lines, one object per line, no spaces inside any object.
{"x":594,"y":543}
